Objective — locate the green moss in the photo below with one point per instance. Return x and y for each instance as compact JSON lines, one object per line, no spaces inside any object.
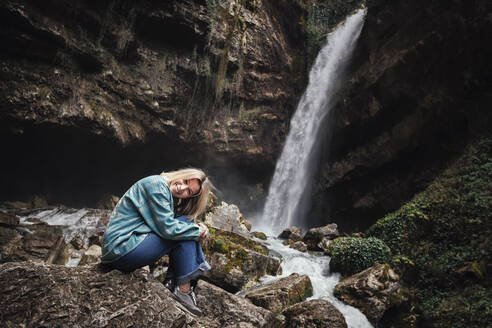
{"x":442,"y":243}
{"x":350,"y":255}
{"x":259,"y":235}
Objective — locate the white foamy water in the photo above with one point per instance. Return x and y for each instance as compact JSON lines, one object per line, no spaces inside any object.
{"x":288,"y":195}
{"x":81,"y":222}
{"x":323,"y":281}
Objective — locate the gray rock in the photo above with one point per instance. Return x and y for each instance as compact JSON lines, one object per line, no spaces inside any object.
{"x":372,"y":291}
{"x":37,"y":294}
{"x":314,"y":314}
{"x":292,"y":233}
{"x":228,"y":217}
{"x":315,"y":235}
{"x":92,"y":255}
{"x":282,"y":293}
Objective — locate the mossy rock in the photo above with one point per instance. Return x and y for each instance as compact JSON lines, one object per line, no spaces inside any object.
{"x":441,"y":241}
{"x":259,"y":235}
{"x":350,"y":255}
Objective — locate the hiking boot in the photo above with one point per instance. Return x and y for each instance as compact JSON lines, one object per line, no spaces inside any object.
{"x":188,"y":300}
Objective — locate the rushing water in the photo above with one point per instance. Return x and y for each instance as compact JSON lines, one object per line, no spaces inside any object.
{"x":323,"y":281}
{"x":288,"y":196}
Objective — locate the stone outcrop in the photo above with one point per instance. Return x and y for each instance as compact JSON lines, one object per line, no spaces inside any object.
{"x":372,"y":291}
{"x":35,"y":294}
{"x":229,"y":218}
{"x":314,"y":238}
{"x":237,"y":262}
{"x":282,"y":293}
{"x":314,"y":314}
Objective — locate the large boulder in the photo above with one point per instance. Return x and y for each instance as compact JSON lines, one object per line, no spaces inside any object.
{"x":228,"y":217}
{"x":314,"y":237}
{"x":314,"y":314}
{"x":293,"y":233}
{"x":282,"y":293}
{"x":237,"y":262}
{"x":223,"y":309}
{"x":372,"y":291}
{"x":37,"y":294}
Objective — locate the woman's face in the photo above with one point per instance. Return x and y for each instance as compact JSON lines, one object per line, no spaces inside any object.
{"x":185,"y":188}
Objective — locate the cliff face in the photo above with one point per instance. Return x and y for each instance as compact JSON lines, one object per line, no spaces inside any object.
{"x":97,"y":93}
{"x":420,"y":91}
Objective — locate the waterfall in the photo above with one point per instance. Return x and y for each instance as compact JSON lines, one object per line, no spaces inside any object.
{"x":288,"y":197}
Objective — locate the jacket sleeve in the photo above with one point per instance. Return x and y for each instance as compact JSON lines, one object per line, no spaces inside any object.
{"x":160,"y":215}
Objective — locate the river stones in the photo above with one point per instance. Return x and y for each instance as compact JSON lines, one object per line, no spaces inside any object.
{"x":293,"y":233}
{"x":314,"y":237}
{"x":282,"y":293}
{"x":313,"y":314}
{"x":372,"y":291}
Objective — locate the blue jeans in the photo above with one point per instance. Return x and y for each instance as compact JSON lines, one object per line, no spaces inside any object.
{"x":186,"y":259}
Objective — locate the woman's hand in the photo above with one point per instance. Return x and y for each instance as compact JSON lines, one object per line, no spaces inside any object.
{"x":203,"y":233}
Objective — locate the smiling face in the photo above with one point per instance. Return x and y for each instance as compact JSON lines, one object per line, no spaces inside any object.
{"x":185,"y":188}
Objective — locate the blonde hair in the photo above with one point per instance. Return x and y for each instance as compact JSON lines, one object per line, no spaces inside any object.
{"x":195,"y":205}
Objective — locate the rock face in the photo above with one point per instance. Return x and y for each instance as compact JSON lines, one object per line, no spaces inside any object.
{"x":282,"y":293}
{"x":418,"y":93}
{"x":35,"y":294}
{"x":372,"y":291}
{"x":314,"y":314}
{"x":109,"y":83}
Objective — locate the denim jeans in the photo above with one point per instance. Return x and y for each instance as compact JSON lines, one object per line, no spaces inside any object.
{"x":186,"y":259}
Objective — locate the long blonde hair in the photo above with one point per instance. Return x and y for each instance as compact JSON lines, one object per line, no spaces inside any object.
{"x":193,"y":206}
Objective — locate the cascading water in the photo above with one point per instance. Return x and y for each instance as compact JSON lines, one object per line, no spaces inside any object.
{"x":288,"y":196}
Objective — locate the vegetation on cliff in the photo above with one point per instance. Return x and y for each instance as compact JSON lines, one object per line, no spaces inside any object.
{"x":442,"y":245}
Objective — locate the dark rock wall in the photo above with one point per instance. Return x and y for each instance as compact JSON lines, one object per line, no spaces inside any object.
{"x":95,"y":94}
{"x":420,"y":91}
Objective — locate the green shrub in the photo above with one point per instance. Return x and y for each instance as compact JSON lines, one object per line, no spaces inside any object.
{"x":350,"y":255}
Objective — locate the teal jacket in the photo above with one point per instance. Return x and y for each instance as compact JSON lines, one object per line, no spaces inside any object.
{"x":146,"y":207}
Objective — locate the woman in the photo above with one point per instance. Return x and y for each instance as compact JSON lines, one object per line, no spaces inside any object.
{"x":143,"y":228}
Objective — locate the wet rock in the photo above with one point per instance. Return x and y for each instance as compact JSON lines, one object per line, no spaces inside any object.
{"x":372,"y":291}
{"x":315,"y":235}
{"x":259,"y":235}
{"x":8,"y":219}
{"x":228,"y":217}
{"x":314,"y":314}
{"x":237,"y":262}
{"x":297,"y":245}
{"x":92,"y":255}
{"x":77,"y":242}
{"x":282,"y":293}
{"x":33,"y":246}
{"x":35,"y":294}
{"x":292,"y":233}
